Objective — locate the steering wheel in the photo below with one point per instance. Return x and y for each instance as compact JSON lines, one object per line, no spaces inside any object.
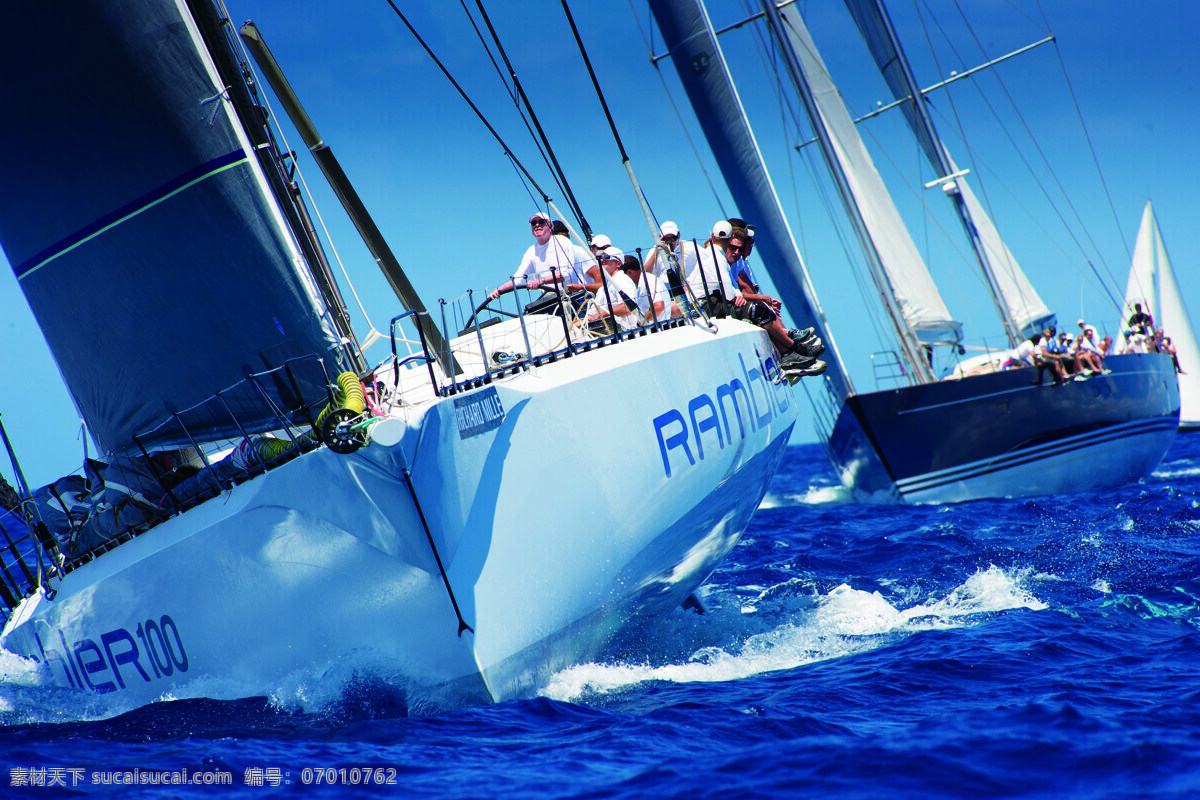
{"x":486,"y":306}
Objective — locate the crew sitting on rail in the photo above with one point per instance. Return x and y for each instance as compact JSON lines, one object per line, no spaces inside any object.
{"x":807,"y":343}
{"x":710,"y":282}
{"x":652,"y":297}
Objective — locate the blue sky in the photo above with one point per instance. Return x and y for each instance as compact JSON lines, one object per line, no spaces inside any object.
{"x":455,"y":212}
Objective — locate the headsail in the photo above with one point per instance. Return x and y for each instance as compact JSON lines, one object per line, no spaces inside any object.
{"x":1020,"y":307}
{"x":1139,"y":289}
{"x":1170,"y":313}
{"x":885,"y":239}
{"x":160,"y":267}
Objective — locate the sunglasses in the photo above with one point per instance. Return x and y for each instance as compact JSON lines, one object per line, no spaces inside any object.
{"x":734,"y":248}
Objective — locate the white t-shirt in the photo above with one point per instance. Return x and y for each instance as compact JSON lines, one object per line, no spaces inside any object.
{"x":685,"y":256}
{"x":650,"y":288}
{"x":710,"y":274}
{"x":1023,"y":353}
{"x":617,"y":284}
{"x":557,"y":253}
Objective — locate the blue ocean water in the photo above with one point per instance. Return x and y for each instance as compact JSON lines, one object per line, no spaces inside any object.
{"x":1030,"y":648}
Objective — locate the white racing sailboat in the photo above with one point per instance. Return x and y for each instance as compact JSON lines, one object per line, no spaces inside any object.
{"x":929,"y":440}
{"x":266,"y":503}
{"x":1151,"y":277}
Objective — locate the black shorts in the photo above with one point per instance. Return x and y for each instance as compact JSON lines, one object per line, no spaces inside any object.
{"x":755,"y":311}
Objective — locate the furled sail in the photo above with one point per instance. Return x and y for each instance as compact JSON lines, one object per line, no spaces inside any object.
{"x":1020,"y":306}
{"x":922,"y":307}
{"x":690,"y":38}
{"x":160,"y":266}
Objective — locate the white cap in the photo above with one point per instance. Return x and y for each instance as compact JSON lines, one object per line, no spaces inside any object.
{"x":669,"y":228}
{"x":539,"y":215}
{"x":722,"y":229}
{"x":613,"y":252}
{"x":601,"y":241}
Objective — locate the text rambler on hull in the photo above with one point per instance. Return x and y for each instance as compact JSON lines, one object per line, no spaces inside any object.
{"x":317,"y":511}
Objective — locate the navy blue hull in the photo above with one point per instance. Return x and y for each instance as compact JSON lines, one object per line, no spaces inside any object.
{"x":998,"y":435}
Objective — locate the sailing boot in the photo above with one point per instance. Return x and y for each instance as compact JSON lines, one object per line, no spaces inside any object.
{"x":811,"y":347}
{"x":802,"y":368}
{"x":792,"y":360}
{"x":799,"y":335}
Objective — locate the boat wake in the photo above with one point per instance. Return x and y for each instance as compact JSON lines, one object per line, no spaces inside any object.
{"x":815,"y":495}
{"x":1173,"y":471}
{"x":747,"y":631}
{"x":788,"y":626}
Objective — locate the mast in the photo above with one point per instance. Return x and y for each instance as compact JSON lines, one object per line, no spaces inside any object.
{"x":346,"y":193}
{"x":1015,"y":299}
{"x":692,"y":42}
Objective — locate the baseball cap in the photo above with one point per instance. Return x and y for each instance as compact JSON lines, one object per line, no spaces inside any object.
{"x":537,"y":216}
{"x":669,"y":228}
{"x":611,"y":252}
{"x":722,"y":229}
{"x":601,"y":241}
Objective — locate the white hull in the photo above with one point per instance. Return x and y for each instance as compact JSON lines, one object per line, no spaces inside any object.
{"x":609,"y":489}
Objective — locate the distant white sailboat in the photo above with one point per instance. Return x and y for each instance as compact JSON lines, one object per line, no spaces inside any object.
{"x":1170,"y":312}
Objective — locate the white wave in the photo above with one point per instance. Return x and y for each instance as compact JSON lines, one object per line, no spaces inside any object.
{"x":832,"y":494}
{"x":841,"y":622}
{"x":1175,"y":470}
{"x":28,"y":695}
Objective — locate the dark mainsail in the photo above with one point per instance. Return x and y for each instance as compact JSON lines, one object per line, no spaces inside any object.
{"x":160,"y":265}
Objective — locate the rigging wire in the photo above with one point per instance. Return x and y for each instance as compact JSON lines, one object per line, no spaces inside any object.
{"x":568,"y":194}
{"x":678,"y":115}
{"x":479,"y":35}
{"x":1000,"y":123}
{"x":612,"y":126}
{"x":511,"y":92}
{"x":462,"y":93}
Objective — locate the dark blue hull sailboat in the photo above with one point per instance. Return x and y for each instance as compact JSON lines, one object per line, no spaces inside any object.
{"x":980,"y":435}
